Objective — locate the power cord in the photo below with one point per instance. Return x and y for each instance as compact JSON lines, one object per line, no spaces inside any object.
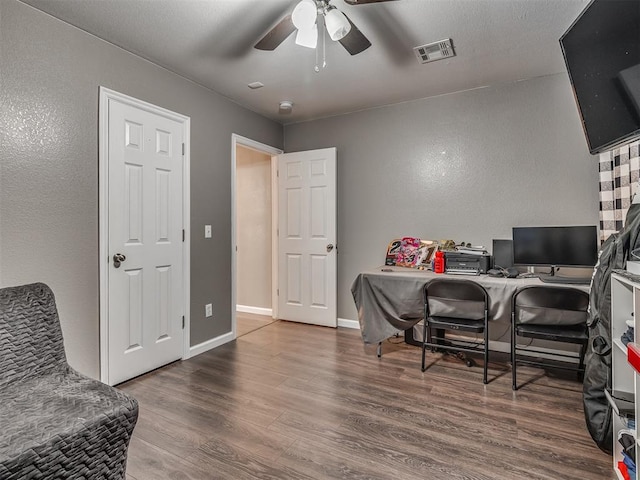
{"x":396,"y":339}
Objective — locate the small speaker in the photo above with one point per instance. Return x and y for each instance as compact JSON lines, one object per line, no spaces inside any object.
{"x":502,"y":253}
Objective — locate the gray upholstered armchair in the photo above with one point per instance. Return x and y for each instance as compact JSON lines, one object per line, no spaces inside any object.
{"x":54,"y":422}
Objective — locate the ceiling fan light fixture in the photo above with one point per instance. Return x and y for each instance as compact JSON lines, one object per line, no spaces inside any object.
{"x":308,"y":37}
{"x":337,"y":24}
{"x":305,"y":14}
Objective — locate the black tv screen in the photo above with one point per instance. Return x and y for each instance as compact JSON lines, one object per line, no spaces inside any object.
{"x":572,"y":246}
{"x":602,"y":53}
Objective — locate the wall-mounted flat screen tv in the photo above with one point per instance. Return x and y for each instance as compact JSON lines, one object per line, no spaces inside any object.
{"x":602,"y":53}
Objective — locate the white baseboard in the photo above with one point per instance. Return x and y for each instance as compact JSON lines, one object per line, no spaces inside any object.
{"x":572,"y":357}
{"x":254,"y":310}
{"x":346,"y":323}
{"x":209,"y":344}
{"x":497,"y":346}
{"x":542,"y":351}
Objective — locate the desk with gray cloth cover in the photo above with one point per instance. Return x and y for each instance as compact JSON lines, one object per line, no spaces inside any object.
{"x":390,"y":302}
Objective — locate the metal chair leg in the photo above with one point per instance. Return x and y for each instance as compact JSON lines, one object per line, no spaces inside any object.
{"x":583,"y":349}
{"x":379,"y":349}
{"x":514,"y":385}
{"x":424,"y":345}
{"x":486,"y":350}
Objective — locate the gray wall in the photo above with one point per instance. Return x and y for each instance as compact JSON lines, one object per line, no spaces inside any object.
{"x":466,"y":166}
{"x":50,"y":74}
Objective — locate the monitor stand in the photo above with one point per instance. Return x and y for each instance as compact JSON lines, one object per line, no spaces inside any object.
{"x":551,"y":277}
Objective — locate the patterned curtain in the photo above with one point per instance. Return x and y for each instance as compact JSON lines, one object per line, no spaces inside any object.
{"x":619,"y":176}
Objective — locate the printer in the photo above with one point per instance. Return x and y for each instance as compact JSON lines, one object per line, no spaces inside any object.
{"x":466,"y":263}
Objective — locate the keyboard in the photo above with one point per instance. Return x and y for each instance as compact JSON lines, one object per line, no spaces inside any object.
{"x":566,"y":280}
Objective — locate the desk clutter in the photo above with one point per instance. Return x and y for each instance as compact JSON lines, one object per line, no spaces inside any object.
{"x":445,"y":256}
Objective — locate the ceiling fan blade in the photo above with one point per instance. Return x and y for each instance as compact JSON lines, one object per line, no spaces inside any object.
{"x":355,"y":42}
{"x":276,"y":35}
{"x":362,"y":2}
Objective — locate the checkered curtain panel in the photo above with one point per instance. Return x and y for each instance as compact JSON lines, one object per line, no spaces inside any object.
{"x":619,"y":176}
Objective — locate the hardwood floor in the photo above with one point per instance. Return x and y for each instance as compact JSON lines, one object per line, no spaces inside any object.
{"x":292,"y":401}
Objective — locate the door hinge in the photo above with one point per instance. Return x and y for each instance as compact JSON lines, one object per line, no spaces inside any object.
{"x":183,"y":234}
{"x":183,"y":149}
{"x":183,"y":322}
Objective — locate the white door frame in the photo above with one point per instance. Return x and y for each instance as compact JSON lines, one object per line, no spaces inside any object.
{"x":238,"y":140}
{"x":103,"y":189}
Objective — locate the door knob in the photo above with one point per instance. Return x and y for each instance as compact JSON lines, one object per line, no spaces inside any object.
{"x":329,"y":247}
{"x":118,"y":258}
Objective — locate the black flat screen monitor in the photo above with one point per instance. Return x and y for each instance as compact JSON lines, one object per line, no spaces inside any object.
{"x":574,"y":246}
{"x":602,"y":54}
{"x":502,"y":253}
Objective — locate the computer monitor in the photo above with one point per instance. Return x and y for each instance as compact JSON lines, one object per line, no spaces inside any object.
{"x":502,"y":253}
{"x":569,"y":246}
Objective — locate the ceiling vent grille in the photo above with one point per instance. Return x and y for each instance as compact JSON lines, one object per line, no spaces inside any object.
{"x":435,"y":51}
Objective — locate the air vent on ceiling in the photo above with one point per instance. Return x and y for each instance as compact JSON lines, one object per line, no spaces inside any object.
{"x":435,"y":51}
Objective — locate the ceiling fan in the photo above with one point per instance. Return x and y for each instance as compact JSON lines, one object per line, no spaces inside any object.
{"x":305,"y":19}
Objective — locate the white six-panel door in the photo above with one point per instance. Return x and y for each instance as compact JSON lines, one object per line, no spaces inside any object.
{"x":145,"y":223}
{"x":307,"y":256}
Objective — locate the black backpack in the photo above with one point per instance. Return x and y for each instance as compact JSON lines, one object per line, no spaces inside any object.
{"x":597,"y":376}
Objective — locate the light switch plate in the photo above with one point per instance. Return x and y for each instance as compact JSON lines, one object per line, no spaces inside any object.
{"x":207,"y":231}
{"x":208,"y":310}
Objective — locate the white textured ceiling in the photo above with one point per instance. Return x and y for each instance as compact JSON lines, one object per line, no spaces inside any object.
{"x":211,"y":42}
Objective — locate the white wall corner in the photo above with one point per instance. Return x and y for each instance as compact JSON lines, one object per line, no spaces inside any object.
{"x":210,"y":344}
{"x":254,"y":310}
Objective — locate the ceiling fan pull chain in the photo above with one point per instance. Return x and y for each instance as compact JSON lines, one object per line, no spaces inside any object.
{"x":324,"y":46}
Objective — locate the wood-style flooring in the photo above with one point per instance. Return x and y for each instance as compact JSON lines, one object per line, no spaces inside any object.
{"x":249,"y":322}
{"x":292,"y":401}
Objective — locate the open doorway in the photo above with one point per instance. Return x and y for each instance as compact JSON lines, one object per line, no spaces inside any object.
{"x":254,"y":235}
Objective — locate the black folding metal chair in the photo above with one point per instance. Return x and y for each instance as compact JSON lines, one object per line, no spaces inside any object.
{"x":458,"y":306}
{"x":557,"y":314}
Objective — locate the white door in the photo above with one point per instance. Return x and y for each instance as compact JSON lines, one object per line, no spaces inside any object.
{"x":145,"y":228}
{"x":307,"y":255}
